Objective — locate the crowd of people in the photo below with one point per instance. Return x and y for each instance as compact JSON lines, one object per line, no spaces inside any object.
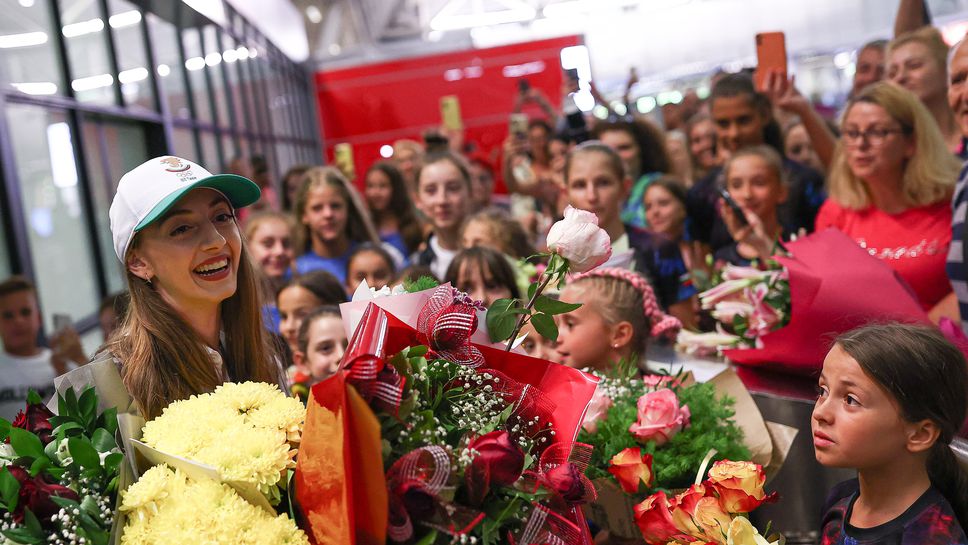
{"x":727,"y":179}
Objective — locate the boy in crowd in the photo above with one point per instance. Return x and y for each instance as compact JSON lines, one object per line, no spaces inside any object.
{"x":24,"y":364}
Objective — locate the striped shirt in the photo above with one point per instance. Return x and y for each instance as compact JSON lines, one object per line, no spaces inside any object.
{"x":955,"y":265}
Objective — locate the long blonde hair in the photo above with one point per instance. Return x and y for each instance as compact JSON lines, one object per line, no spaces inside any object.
{"x":359,"y":226}
{"x":164,"y":360}
{"x":929,"y":176}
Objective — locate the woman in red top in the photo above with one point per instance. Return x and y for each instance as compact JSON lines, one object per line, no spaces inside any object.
{"x":890,"y":185}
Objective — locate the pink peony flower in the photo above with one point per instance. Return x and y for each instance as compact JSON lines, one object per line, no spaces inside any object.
{"x":580,"y":240}
{"x":597,"y":410}
{"x":660,"y":417}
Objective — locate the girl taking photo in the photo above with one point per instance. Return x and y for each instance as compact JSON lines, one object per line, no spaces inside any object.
{"x":195,"y":317}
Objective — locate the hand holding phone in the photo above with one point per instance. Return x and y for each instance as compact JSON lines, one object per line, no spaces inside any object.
{"x":770,"y":57}
{"x":738,"y":212}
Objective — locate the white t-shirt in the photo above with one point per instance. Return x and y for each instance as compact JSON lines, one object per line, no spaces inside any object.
{"x":442,"y":258}
{"x":19,"y":375}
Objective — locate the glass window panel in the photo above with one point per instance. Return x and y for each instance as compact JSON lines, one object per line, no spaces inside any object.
{"x":195,"y":63}
{"x":126,"y":148}
{"x":99,"y":181}
{"x":61,"y":250}
{"x":4,"y":258}
{"x":136,"y":87}
{"x":87,"y":50}
{"x":253,"y":92}
{"x":184,"y":143}
{"x":230,"y":56}
{"x":228,"y":147}
{"x":210,"y":151}
{"x":164,"y":43}
{"x":213,"y":65}
{"x":29,"y":60}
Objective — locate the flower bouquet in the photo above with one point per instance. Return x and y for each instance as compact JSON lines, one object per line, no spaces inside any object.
{"x":786,"y":315}
{"x":652,"y":433}
{"x":60,"y":474}
{"x":708,"y":512}
{"x":461,"y":440}
{"x":222,"y":463}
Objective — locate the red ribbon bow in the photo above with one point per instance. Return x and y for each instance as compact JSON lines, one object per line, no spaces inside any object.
{"x":446,"y":323}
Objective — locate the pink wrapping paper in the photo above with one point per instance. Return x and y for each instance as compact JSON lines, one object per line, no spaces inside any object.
{"x":835,"y":286}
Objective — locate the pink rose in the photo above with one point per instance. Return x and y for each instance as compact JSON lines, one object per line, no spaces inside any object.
{"x":580,"y":240}
{"x":597,"y":410}
{"x":660,"y":417}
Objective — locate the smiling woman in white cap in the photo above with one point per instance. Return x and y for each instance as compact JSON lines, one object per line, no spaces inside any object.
{"x":195,"y":313}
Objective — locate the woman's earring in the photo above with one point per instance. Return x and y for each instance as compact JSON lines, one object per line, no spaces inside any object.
{"x":148,"y":282}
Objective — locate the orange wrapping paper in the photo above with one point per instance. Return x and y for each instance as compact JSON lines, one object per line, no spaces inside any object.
{"x":340,"y":485}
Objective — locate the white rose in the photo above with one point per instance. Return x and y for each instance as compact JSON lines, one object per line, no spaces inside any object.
{"x":580,"y":240}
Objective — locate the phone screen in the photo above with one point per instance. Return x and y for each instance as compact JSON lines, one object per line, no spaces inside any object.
{"x":737,"y":211}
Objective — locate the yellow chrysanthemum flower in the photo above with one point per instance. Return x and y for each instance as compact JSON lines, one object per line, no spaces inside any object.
{"x":204,"y":512}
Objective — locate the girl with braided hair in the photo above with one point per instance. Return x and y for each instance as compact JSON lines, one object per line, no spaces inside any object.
{"x":618,"y":316}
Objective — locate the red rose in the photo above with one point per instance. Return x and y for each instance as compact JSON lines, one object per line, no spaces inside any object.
{"x":500,"y":459}
{"x":35,"y":494}
{"x":497,"y":462}
{"x":38,"y":422}
{"x":567,"y":481}
{"x":419,"y":502}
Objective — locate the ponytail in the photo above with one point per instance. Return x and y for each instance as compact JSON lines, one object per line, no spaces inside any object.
{"x":950,"y":479}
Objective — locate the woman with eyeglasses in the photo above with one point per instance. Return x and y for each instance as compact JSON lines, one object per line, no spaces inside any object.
{"x":890,"y":186}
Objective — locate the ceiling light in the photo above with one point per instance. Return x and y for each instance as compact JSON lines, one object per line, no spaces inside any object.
{"x":22,"y":40}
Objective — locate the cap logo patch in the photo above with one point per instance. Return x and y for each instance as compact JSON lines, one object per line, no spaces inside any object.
{"x":174,"y":164}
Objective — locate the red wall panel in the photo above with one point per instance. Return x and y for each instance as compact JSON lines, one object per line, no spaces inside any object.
{"x":372,"y":105}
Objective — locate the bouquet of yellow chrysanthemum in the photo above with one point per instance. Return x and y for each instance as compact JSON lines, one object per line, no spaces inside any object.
{"x":166,"y":506}
{"x":247,"y":432}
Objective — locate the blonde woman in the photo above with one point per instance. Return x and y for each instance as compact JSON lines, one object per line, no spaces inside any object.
{"x":890,"y":185}
{"x":334,"y":221}
{"x":194,"y":319}
{"x":917,"y":61}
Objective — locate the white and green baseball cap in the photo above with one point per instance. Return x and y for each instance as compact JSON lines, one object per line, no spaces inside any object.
{"x":150,"y":189}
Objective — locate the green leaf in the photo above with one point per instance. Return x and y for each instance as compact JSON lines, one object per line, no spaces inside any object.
{"x":23,"y":535}
{"x":25,"y":443}
{"x":109,"y":420}
{"x":102,"y":440}
{"x":33,"y":398}
{"x":112,"y":462}
{"x":64,"y":502}
{"x":39,"y":465}
{"x":531,"y":290}
{"x":544,"y":324}
{"x":61,"y":430}
{"x":83,"y":453}
{"x":500,"y":322}
{"x":428,"y":539}
{"x":31,"y":522}
{"x":553,"y":306}
{"x":9,"y":489}
{"x":4,"y":429}
{"x":88,"y":406}
{"x":417,"y":351}
{"x":70,"y":398}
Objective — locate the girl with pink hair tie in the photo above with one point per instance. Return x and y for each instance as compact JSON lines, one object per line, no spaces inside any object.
{"x":618,"y":316}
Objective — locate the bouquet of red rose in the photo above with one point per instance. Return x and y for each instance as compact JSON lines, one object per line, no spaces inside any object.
{"x":59,"y":479}
{"x":475,"y":443}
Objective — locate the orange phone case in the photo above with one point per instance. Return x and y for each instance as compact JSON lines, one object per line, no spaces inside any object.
{"x":770,"y":55}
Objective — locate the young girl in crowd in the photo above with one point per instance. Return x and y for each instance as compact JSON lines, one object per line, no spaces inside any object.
{"x":302,"y":294}
{"x":270,"y":242}
{"x":391,"y":208}
{"x":665,"y":211}
{"x":482,"y":273}
{"x":334,"y":221}
{"x":596,"y":181}
{"x":321,"y":343}
{"x":701,"y":134}
{"x":756,"y":182}
{"x":891,"y":399}
{"x":370,"y":262}
{"x":890,"y":190}
{"x":497,"y":230}
{"x":443,"y":195}
{"x":619,"y":314}
{"x":744,"y":118}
